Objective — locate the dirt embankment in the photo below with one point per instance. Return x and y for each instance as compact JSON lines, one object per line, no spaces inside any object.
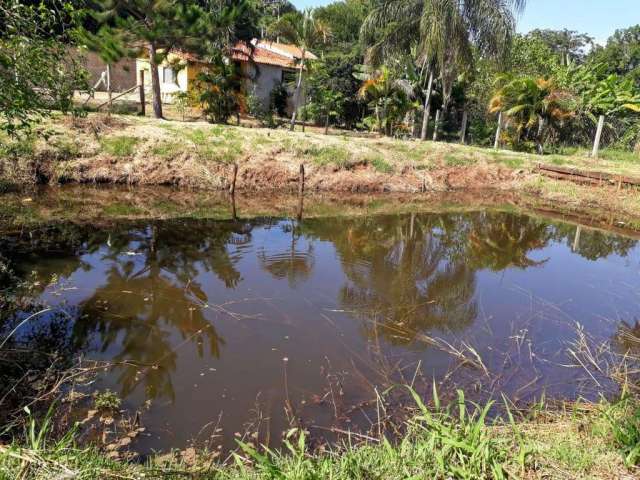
{"x":196,"y":155}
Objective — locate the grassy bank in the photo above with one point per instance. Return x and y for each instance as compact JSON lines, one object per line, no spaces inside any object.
{"x":142,"y":151}
{"x":571,"y":441}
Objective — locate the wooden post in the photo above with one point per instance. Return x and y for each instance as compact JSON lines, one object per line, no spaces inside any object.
{"x":326,"y":125}
{"x":436,"y":126}
{"x":109,"y":87}
{"x":463,"y":129}
{"x":496,"y":144}
{"x":301,"y":180}
{"x":596,"y":142}
{"x":143,"y":110}
{"x":232,"y":187}
{"x":427,"y":108}
{"x":300,"y":192}
{"x":234,"y":215}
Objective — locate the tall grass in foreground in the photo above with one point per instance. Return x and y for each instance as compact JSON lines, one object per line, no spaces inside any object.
{"x":457,"y":441}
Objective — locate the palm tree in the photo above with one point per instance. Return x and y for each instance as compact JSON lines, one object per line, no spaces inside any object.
{"x":303,"y":30}
{"x":529,"y":102}
{"x":443,"y":33}
{"x":389,"y":96}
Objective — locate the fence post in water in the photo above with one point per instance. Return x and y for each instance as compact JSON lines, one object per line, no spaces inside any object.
{"x":300,"y":192}
{"x":232,"y":187}
{"x":496,"y":144}
{"x":596,"y":142}
{"x":234,"y":215}
{"x":463,"y":129}
{"x":436,"y":126}
{"x":142,"y":101}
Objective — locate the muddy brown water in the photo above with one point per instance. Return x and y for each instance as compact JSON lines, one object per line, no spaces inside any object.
{"x":216,"y":324}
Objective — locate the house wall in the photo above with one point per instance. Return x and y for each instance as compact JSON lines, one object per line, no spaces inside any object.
{"x":123,"y":73}
{"x":183,"y":81}
{"x":261,"y":84}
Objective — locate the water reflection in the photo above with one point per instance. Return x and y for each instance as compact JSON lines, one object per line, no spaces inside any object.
{"x":174,"y":301}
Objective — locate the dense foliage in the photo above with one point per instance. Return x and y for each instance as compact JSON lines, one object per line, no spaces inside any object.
{"x":391,"y":66}
{"x":36,"y":73}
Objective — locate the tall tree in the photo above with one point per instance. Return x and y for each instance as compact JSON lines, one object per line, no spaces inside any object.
{"x":621,"y":55}
{"x":305,"y":31}
{"x":159,"y":26}
{"x":443,"y":34}
{"x":569,"y":45}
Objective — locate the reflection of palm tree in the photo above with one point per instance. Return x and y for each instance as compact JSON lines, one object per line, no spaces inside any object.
{"x":294,"y":265}
{"x":404,"y":272}
{"x":502,"y":240}
{"x":142,"y":327}
{"x":152,"y":286}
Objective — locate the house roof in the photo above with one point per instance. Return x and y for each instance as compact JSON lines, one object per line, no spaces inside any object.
{"x":270,"y":53}
{"x":261,"y":52}
{"x":284,"y":49}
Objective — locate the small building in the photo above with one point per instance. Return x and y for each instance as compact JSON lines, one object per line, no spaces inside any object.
{"x":264,"y":66}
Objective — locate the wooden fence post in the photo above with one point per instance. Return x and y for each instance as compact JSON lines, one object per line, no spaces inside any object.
{"x":300,"y":192}
{"x":436,"y":126}
{"x":496,"y":144}
{"x":301,"y":180}
{"x":143,"y":111}
{"x":234,"y":214}
{"x":596,"y":142}
{"x":463,"y":129}
{"x":109,"y":87}
{"x":234,"y":175}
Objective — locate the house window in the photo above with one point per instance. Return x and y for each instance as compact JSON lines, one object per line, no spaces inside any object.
{"x":289,"y":77}
{"x":168,"y":75}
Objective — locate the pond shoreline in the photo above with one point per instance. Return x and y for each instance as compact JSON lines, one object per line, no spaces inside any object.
{"x":195,"y":156}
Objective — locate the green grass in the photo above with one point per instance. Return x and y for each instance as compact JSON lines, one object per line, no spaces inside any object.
{"x":379,"y":164}
{"x":457,"y":160}
{"x":440,"y":442}
{"x":119,"y":146}
{"x":622,"y":156}
{"x":167,"y":149}
{"x":323,"y":156}
{"x":18,"y":147}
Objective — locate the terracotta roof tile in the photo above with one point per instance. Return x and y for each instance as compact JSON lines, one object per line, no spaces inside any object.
{"x":266,"y":53}
{"x":241,"y":52}
{"x":286,"y":49}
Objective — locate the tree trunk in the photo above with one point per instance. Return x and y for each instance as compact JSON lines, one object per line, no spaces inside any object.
{"x":436,"y":126}
{"x":326,"y":125}
{"x":296,"y":95}
{"x":427,"y":109}
{"x":155,"y":82}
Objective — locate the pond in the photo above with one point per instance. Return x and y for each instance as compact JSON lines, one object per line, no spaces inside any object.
{"x":213,"y":325}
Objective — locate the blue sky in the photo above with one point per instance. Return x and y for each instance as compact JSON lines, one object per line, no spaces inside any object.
{"x":598,"y":18}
